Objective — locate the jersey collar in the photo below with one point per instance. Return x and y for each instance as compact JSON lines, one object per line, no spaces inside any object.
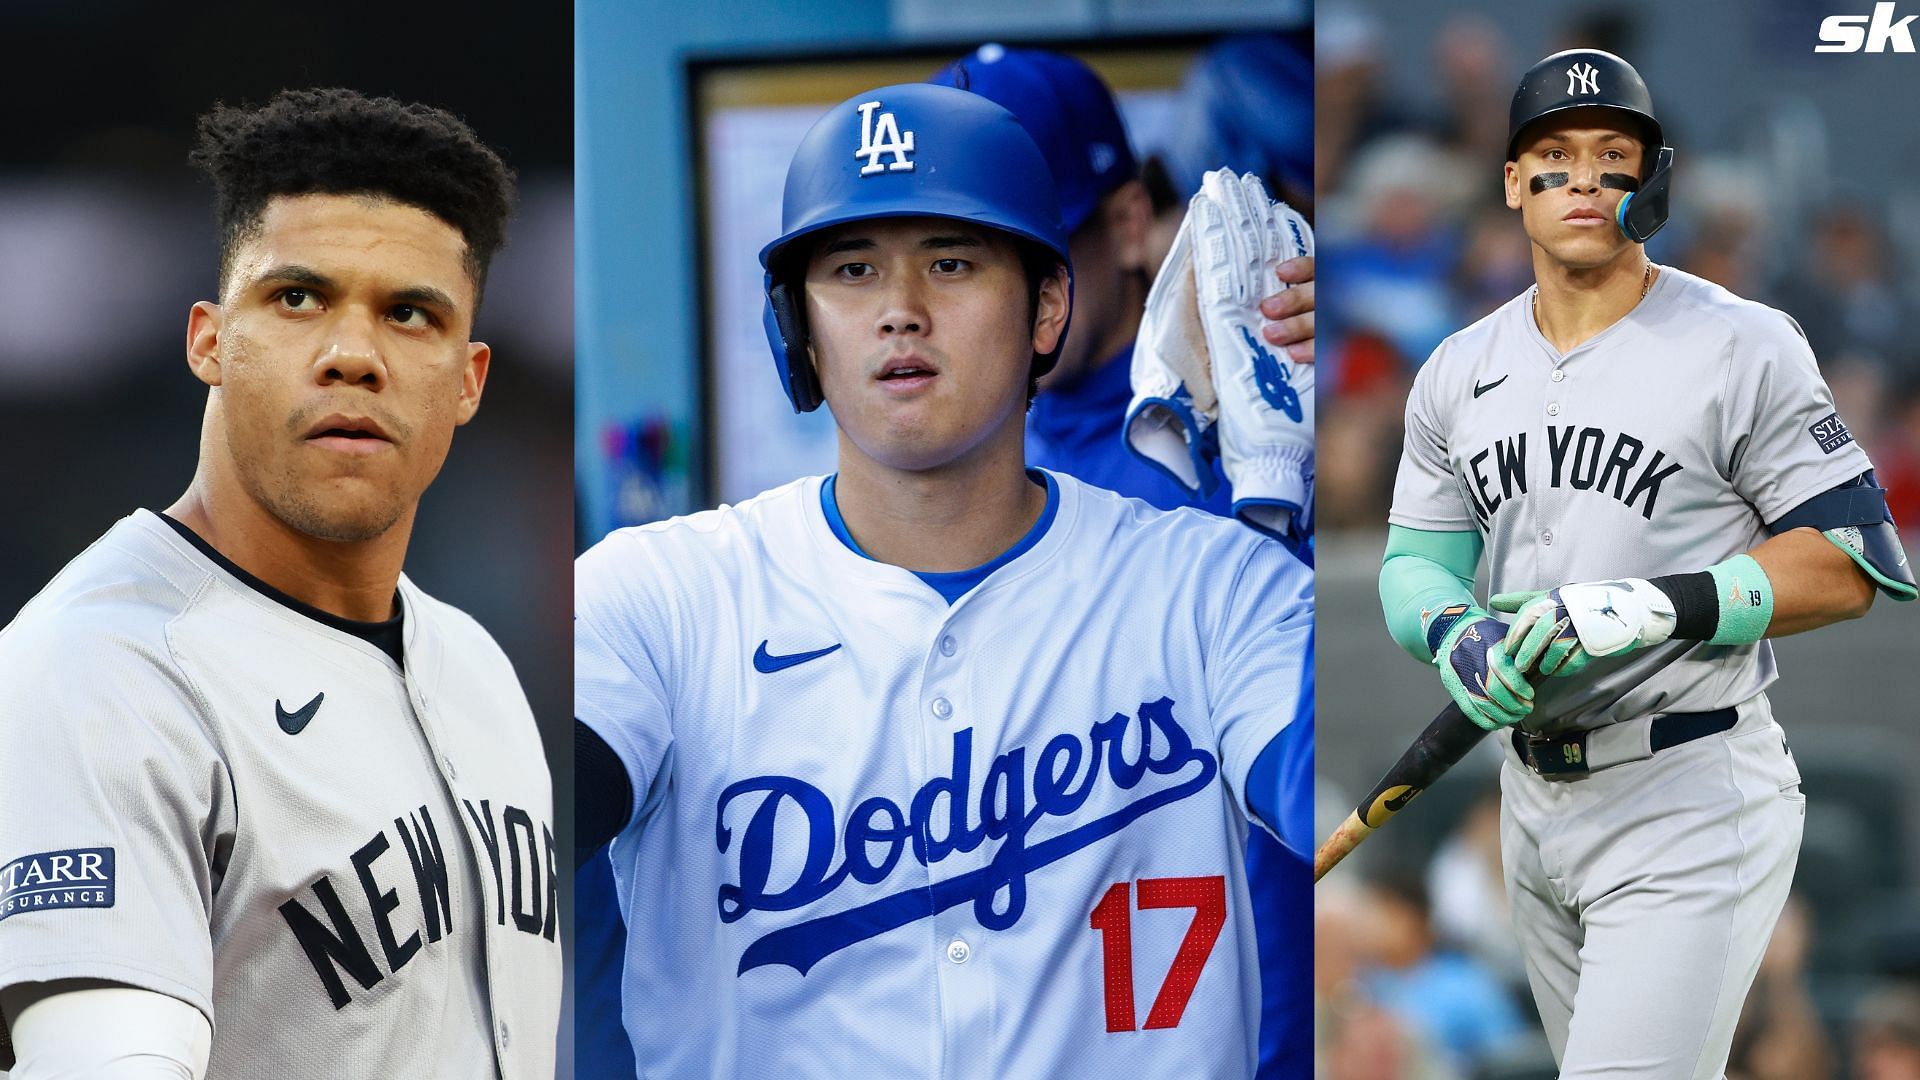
{"x":387,"y":635}
{"x":834,"y":546}
{"x":1649,"y":305}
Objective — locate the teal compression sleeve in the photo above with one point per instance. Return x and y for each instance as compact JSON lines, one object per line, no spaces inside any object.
{"x":1424,"y":571}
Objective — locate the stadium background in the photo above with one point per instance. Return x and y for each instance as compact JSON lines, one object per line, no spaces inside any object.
{"x":107,"y":237}
{"x":1794,"y":185}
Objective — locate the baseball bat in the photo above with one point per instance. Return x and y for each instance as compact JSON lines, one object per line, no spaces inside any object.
{"x":1445,"y":741}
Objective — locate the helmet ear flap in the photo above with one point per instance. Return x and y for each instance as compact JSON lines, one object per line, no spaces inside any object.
{"x":1642,"y":213}
{"x":787,"y":331}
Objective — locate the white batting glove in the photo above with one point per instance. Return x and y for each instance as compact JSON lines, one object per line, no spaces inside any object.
{"x":1617,"y":616}
{"x":1265,"y":399}
{"x":1170,"y":420}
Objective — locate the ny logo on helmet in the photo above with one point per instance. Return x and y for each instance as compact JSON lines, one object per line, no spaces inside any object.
{"x":882,"y":136}
{"x":1583,"y":78}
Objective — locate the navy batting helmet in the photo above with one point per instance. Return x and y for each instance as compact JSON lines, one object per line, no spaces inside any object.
{"x":914,"y":150}
{"x":1588,"y":78}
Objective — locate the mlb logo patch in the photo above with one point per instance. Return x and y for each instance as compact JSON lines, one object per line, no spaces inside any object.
{"x":74,"y":878}
{"x":1830,"y":433}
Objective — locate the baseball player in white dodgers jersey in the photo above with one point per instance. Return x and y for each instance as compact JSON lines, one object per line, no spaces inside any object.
{"x":939,"y":766}
{"x":267,"y":809}
{"x":1663,"y":458}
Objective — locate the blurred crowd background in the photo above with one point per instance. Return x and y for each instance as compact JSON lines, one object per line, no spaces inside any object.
{"x":107,"y":237}
{"x":1791,"y":188}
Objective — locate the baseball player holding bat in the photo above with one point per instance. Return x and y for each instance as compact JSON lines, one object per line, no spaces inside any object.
{"x":266,"y":808}
{"x":941,"y":765}
{"x":1655,"y":473}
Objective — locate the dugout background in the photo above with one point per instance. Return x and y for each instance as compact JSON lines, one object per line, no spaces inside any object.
{"x":1793,"y":186}
{"x":107,"y":237}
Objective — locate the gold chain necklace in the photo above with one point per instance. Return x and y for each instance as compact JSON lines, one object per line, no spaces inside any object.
{"x":1646,"y":285}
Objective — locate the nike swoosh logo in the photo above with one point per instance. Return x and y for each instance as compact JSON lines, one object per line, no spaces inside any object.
{"x":293,"y":723}
{"x":767,"y":663}
{"x":1478,"y":389}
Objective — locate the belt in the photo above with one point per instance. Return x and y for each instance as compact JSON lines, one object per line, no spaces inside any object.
{"x":1581,"y":752}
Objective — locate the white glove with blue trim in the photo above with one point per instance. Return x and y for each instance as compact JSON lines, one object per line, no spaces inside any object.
{"x":1265,"y":399}
{"x":1170,"y":420}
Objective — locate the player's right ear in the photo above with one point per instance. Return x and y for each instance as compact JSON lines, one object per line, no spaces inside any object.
{"x":204,"y":324}
{"x":1512,"y":181}
{"x":1050,"y":314}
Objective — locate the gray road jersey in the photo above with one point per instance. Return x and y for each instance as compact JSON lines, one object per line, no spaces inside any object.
{"x":360,"y":887}
{"x":1661,"y":445}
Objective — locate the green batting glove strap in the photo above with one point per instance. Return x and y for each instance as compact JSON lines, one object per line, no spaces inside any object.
{"x":1728,"y":603}
{"x":1438,"y":625}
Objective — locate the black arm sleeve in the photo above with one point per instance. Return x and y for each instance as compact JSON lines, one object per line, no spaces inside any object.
{"x":603,"y":793}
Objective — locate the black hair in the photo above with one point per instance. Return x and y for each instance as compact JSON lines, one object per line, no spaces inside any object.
{"x":341,"y":142}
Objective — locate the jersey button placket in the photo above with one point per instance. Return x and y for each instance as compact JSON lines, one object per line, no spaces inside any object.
{"x":1557,"y":392}
{"x":965,"y":997}
{"x":938,"y":672}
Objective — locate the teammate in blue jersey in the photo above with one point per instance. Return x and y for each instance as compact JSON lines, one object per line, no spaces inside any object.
{"x":1075,"y":427}
{"x":940,"y":765}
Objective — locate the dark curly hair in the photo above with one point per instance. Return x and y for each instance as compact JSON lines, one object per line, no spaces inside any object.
{"x":340,"y":142}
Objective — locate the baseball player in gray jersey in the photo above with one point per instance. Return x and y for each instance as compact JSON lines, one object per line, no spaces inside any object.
{"x":266,"y":809}
{"x":1663,"y":459}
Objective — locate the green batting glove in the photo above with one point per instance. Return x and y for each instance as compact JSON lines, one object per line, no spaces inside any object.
{"x":1542,"y":640}
{"x":1477,"y":672}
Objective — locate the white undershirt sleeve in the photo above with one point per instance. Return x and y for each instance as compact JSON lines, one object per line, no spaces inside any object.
{"x":88,"y":1030}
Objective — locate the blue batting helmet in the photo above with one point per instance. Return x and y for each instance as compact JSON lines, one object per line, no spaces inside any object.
{"x":914,"y":150}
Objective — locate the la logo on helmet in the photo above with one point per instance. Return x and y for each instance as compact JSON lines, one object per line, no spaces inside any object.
{"x":882,"y":136}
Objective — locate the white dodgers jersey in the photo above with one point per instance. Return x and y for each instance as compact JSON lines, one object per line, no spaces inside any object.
{"x":347,"y":865}
{"x":876,"y":834}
